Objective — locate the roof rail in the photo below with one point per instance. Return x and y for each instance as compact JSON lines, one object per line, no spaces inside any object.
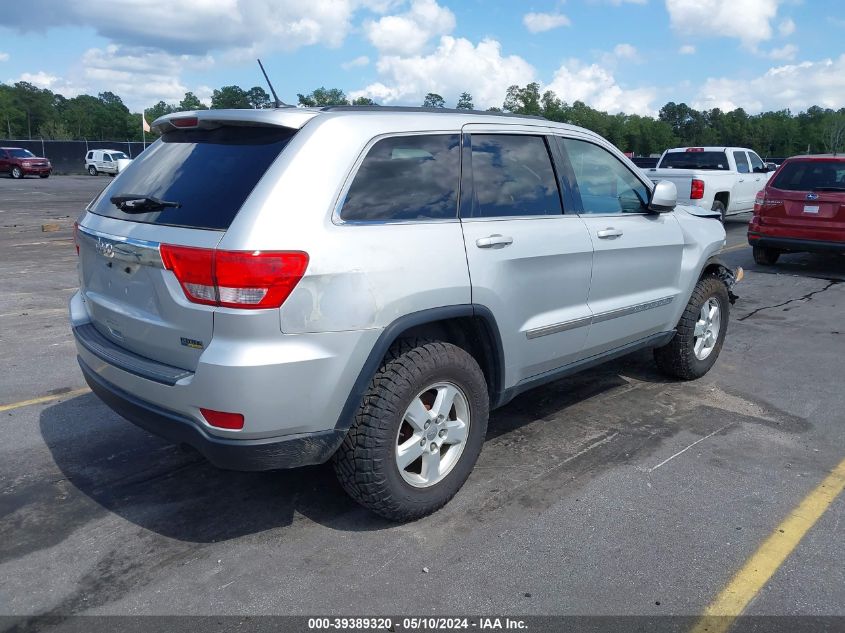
{"x":377,"y":108}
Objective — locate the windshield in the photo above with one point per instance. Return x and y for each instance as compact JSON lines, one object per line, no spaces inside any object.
{"x":208,"y":173}
{"x":21,"y":153}
{"x":809,"y":175}
{"x":695,"y":160}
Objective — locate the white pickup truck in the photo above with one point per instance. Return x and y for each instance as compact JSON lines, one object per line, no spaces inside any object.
{"x":723,"y":179}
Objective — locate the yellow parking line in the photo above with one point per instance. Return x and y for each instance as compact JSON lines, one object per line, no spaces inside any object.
{"x":748,"y":581}
{"x":735,"y":247}
{"x":42,"y":399}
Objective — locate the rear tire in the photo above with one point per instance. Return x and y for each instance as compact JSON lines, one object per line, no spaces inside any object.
{"x":719,"y":208}
{"x":427,"y":399}
{"x":765,"y":256}
{"x":92,"y":170}
{"x":700,"y":333}
{"x":16,"y":172}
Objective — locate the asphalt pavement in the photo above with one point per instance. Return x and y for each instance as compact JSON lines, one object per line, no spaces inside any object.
{"x":614,"y":492}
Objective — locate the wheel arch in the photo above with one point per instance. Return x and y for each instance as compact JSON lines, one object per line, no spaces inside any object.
{"x":469,"y":326}
{"x":715,"y":266}
{"x":724,"y":197}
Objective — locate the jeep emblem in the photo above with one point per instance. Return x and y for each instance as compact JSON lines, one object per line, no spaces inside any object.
{"x":105,"y":249}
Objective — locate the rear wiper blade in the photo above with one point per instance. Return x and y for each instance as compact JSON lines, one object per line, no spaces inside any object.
{"x":135,"y":203}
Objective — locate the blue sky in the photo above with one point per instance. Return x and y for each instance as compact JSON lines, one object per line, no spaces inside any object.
{"x":616,"y":55}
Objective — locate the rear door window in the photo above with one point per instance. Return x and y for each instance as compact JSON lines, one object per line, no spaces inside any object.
{"x":741,"y":162}
{"x":209,"y":173}
{"x":513,"y":176}
{"x":406,"y":178}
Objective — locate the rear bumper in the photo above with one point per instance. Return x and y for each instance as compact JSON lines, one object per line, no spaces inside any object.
{"x":289,"y":451}
{"x":795,"y":244}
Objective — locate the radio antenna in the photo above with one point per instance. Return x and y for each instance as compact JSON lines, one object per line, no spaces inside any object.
{"x":277,"y":102}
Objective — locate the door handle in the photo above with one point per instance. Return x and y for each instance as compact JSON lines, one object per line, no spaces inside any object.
{"x":494,"y":241}
{"x":609,"y":232}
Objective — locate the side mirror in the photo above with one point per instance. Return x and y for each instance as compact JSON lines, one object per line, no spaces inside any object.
{"x":664,"y":198}
{"x":771,"y":167}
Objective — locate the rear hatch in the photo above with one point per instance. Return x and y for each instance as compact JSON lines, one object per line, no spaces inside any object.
{"x":808,"y":194}
{"x":184,"y":190}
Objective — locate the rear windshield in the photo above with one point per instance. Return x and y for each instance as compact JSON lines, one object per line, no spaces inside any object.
{"x":806,"y":175}
{"x":695,"y":160}
{"x":209,"y":173}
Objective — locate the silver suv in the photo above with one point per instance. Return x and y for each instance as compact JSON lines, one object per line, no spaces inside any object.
{"x":284,"y":287}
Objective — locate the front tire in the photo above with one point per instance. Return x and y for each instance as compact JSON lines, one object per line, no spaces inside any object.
{"x":16,"y":172}
{"x":43,"y":175}
{"x":700,"y":333}
{"x":765,"y":256}
{"x":418,"y":431}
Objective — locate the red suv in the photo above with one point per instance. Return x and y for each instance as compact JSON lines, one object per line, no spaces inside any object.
{"x":802,"y":209}
{"x":19,"y":162}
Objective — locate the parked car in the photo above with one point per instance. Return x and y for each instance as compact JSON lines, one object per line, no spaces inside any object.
{"x":801,"y":209}
{"x":724,"y":179}
{"x":19,"y":162}
{"x":106,"y":161}
{"x":283,"y":287}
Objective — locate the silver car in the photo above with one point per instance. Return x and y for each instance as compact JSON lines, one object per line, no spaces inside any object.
{"x":284,"y":287}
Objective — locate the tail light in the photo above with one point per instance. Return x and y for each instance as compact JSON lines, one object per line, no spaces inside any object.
{"x":696,"y":190}
{"x":235,"y":279}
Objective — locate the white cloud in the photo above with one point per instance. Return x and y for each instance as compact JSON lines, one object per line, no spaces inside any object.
{"x":141,"y":77}
{"x":793,"y":86}
{"x":625,"y":51}
{"x":201,"y":27}
{"x":409,"y":32}
{"x":597,"y":87}
{"x":454,"y":67}
{"x":787,"y":27}
{"x":4,"y":57}
{"x":540,"y":22}
{"x":39,"y":79}
{"x":784,"y":53}
{"x":43,"y":79}
{"x":750,"y":21}
{"x":687,"y":49}
{"x":363,"y":60}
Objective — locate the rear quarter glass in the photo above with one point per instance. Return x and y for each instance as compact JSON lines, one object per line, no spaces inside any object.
{"x":210,"y":173}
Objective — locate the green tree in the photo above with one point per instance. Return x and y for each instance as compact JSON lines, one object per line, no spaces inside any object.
{"x":523,"y":100}
{"x":35,"y":103}
{"x":11,"y":116}
{"x":258,"y":98}
{"x":230,"y":97}
{"x":191,"y":102}
{"x":363,"y":101}
{"x":159,"y":110}
{"x":465,"y":102}
{"x":433,"y":100}
{"x":322,"y":97}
